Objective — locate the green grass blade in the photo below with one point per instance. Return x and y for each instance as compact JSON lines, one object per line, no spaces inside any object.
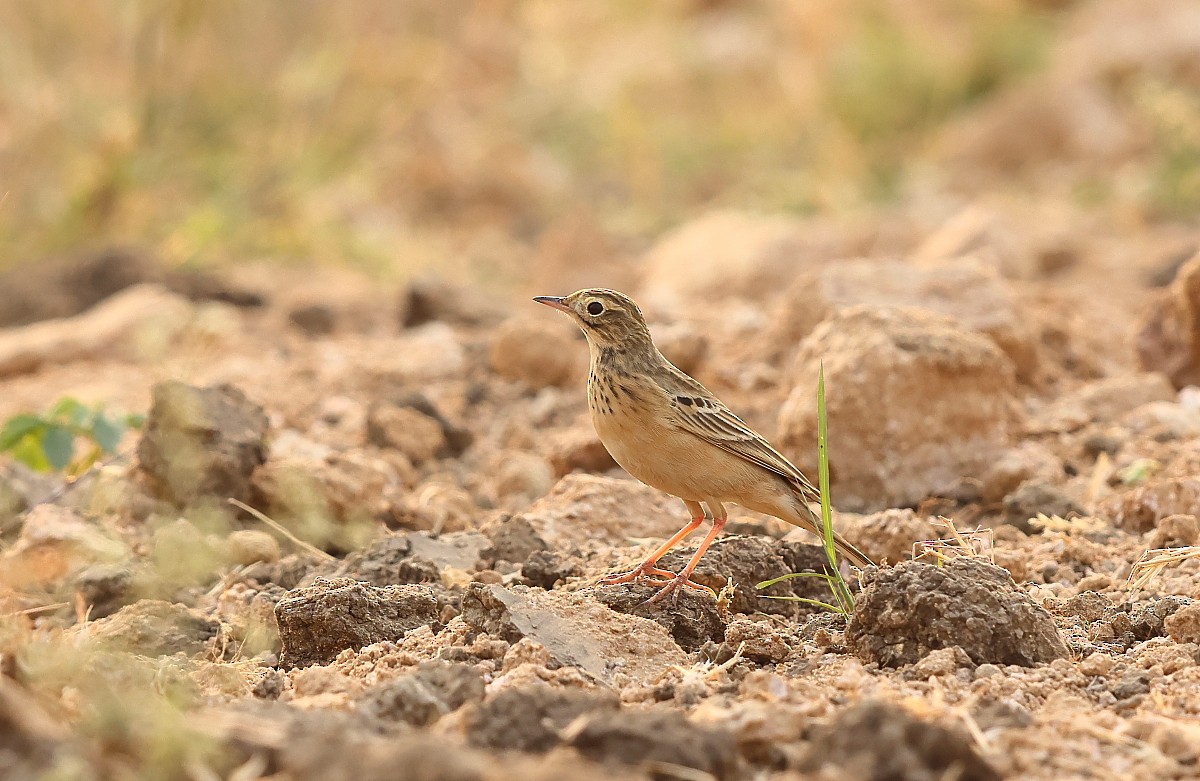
{"x":792,"y":576}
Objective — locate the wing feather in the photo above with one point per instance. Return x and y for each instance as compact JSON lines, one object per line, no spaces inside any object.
{"x":699,"y":412}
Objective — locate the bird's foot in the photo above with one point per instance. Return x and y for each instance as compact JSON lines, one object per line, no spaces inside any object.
{"x":645,"y":572}
{"x":672,"y":588}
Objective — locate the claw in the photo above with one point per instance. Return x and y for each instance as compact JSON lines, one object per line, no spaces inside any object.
{"x":637,"y":574}
{"x":672,"y":589}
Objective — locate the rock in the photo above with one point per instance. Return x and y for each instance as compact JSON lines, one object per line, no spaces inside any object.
{"x":964,"y":289}
{"x":152,"y":627}
{"x":693,"y":620}
{"x":390,"y":561}
{"x":1169,"y":338}
{"x":55,"y":543}
{"x":1140,"y":509}
{"x":682,"y":345}
{"x":915,"y":401}
{"x":313,"y":319}
{"x":730,"y":253}
{"x":13,"y":503}
{"x":748,"y":561}
{"x":576,"y":631}
{"x":248,"y":546}
{"x":104,"y":588}
{"x":112,"y":328}
{"x":909,"y":610}
{"x":888,"y":536}
{"x":35,"y":745}
{"x":875,"y":740}
{"x":319,"y":622}
{"x":513,"y":539}
{"x":1184,"y":624}
{"x":1104,"y":401}
{"x":579,"y":450}
{"x":458,"y":439}
{"x":415,"y":434}
{"x":424,"y":696}
{"x":943,"y":661}
{"x":548,"y":568}
{"x":665,"y":738}
{"x":533,"y":718}
{"x":1026,"y":461}
{"x":1175,"y":531}
{"x":431,"y":298}
{"x":762,"y":639}
{"x":583,"y":508}
{"x":201,"y":443}
{"x":1033,"y":497}
{"x":522,"y":476}
{"x":538,"y":352}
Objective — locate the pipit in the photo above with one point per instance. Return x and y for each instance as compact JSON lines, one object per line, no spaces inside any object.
{"x":668,"y":431}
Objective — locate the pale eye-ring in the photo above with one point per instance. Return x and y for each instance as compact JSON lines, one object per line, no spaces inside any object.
{"x":595,"y":308}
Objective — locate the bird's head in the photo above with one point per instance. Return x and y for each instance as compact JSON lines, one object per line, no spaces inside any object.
{"x":608,"y":318}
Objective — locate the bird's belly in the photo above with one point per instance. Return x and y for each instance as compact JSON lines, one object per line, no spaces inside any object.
{"x":675,"y":461}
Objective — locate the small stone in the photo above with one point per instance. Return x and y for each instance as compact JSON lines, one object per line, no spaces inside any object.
{"x":533,"y":718}
{"x":422,"y":697}
{"x":313,"y":319}
{"x":763,"y":642}
{"x":1140,"y":509}
{"x":1184,"y":624}
{"x":202,"y":443}
{"x":988,"y":670}
{"x":1175,"y":531}
{"x":1096,"y":664}
{"x":664,"y":737}
{"x":579,"y":450}
{"x":416,"y":435}
{"x":155,"y":628}
{"x":943,"y":661}
{"x":539,"y":352}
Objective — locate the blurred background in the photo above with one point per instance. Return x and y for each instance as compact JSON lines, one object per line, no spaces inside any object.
{"x":501,"y":140}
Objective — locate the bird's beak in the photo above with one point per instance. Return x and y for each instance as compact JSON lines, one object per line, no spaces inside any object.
{"x":555,"y":301}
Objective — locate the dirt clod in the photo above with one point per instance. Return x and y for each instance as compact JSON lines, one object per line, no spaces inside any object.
{"x":533,"y":718}
{"x":202,"y":443}
{"x":422,"y":697}
{"x":576,"y":631}
{"x":155,"y":628}
{"x":319,"y":622}
{"x":667,"y":737}
{"x":879,"y":741}
{"x":914,"y":608}
{"x":692,"y":619}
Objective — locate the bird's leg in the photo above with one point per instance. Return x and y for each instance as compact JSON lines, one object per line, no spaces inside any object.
{"x":647,"y":567}
{"x":720,"y":516}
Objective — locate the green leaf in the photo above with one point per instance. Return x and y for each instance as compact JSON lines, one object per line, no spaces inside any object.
{"x":107,"y":433}
{"x":135,"y":420}
{"x":792,"y":576}
{"x":59,"y":446}
{"x":807,"y":601}
{"x":69,"y":410}
{"x":16,"y":428}
{"x":29,"y":452}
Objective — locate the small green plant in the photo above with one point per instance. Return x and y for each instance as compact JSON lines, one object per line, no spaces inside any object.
{"x":48,"y":442}
{"x":843,"y":598}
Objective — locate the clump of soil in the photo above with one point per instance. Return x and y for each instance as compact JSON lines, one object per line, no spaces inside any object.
{"x":914,"y":608}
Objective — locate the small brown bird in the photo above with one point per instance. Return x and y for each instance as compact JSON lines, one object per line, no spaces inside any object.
{"x":668,"y":431}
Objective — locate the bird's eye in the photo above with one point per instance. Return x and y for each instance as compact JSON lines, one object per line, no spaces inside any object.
{"x":595,"y":308}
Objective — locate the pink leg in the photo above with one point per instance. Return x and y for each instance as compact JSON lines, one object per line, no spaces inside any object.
{"x":647,"y":567}
{"x":720,"y":516}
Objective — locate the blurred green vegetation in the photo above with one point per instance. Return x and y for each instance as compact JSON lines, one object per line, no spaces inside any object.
{"x":396,"y":135}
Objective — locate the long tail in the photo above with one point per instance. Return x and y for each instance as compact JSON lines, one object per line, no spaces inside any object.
{"x":811,"y":521}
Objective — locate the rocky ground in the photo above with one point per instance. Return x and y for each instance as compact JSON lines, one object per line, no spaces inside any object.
{"x":422,"y":593}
